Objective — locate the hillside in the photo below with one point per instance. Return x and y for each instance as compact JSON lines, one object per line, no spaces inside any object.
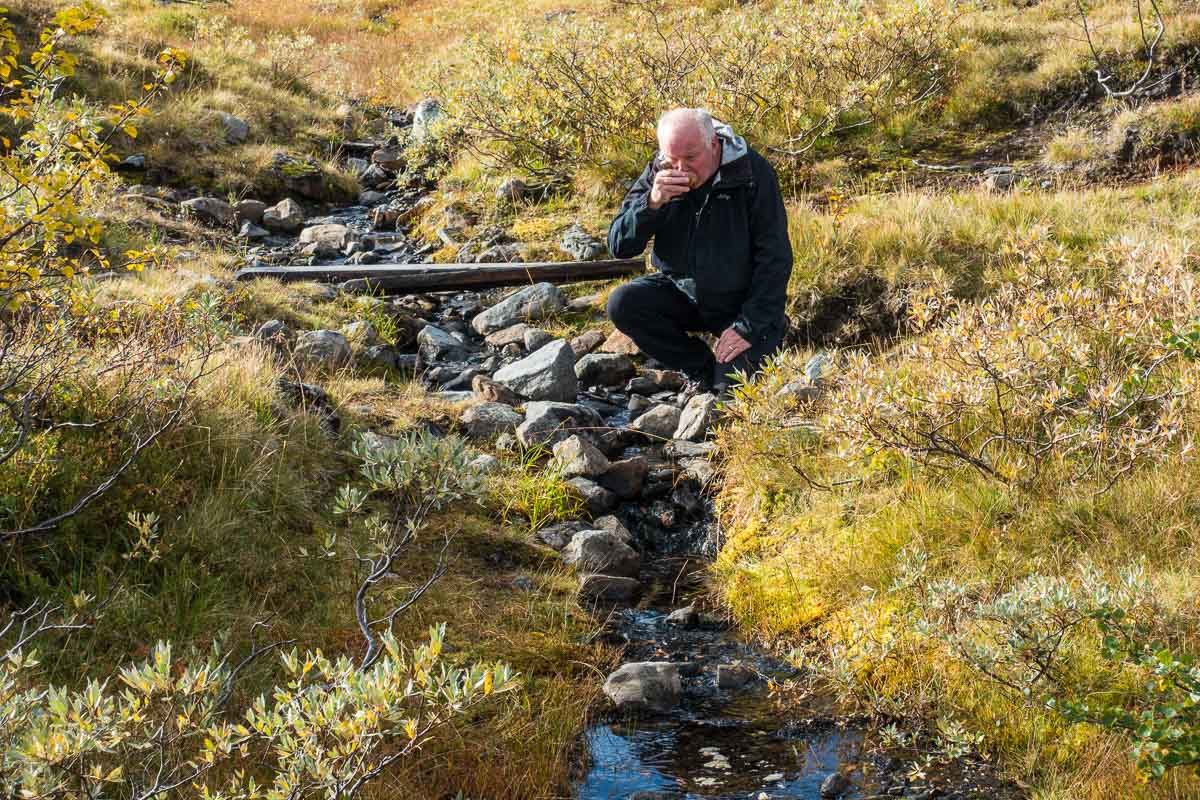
{"x":943,"y":544}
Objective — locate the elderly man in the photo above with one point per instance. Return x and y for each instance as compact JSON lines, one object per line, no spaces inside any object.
{"x":721,"y":248}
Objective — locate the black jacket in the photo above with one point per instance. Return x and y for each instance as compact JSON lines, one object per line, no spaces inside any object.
{"x":735,"y":246}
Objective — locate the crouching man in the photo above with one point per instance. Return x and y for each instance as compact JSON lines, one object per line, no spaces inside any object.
{"x":713,"y":207}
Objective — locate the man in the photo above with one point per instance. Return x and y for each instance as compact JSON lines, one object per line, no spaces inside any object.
{"x":721,"y":248}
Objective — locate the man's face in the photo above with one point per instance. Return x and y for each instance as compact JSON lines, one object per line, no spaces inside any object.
{"x":685,"y":149}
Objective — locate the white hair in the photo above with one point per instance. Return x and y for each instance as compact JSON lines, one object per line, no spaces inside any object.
{"x":676,"y":117}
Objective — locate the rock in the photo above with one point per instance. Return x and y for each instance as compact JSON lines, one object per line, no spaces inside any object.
{"x":488,"y":420}
{"x":237,"y":130}
{"x":427,"y":112}
{"x":618,"y":342}
{"x":484,"y":463}
{"x":685,"y":617}
{"x":512,"y":190}
{"x":357,"y":167}
{"x":614,"y":526}
{"x":645,"y":685}
{"x":577,"y":457}
{"x":331,"y":238}
{"x":275,"y":333}
{"x":370,"y":198}
{"x":603,"y":553}
{"x":585,"y":302}
{"x":464,"y":380}
{"x":659,"y":422}
{"x":524,"y":583}
{"x":678,"y":448}
{"x":999,"y":179}
{"x":501,"y":254}
{"x":581,"y":245}
{"x":249,"y":211}
{"x":302,"y":176}
{"x":636,"y":405}
{"x":596,"y":498}
{"x":513,"y":334}
{"x":651,"y":381}
{"x":560,"y":534}
{"x":361,"y":334}
{"x":687,"y":500}
{"x":312,"y":398}
{"x":322,"y":349}
{"x":252,"y":233}
{"x":535,"y":338}
{"x":455,"y":397}
{"x":603,"y":369}
{"x":608,"y":588}
{"x":383,"y":356}
{"x":131,"y":163}
{"x":489,"y":391}
{"x":546,"y":374}
{"x":586,"y":342}
{"x":698,"y":469}
{"x":835,"y":785}
{"x":531,"y":303}
{"x":547,"y":423}
{"x":800,"y":390}
{"x":734,"y":676}
{"x":285,"y":216}
{"x":389,"y":159}
{"x":435,"y":345}
{"x":376,"y":177}
{"x":209,"y":209}
{"x":625,"y":478}
{"x":697,"y":417}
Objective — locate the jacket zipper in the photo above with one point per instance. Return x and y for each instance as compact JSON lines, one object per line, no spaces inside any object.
{"x":696,"y":225}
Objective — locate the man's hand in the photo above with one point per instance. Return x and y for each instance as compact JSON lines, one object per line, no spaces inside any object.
{"x":668,"y":184}
{"x":730,"y":346}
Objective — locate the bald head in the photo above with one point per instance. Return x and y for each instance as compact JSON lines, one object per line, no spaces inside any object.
{"x":687,"y":141}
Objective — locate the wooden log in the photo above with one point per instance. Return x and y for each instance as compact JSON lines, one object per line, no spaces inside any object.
{"x":403,"y":278}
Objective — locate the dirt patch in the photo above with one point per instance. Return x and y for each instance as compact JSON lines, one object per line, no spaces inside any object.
{"x":864,"y":309}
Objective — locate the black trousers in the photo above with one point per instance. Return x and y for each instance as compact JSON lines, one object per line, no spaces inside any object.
{"x":660,"y":318}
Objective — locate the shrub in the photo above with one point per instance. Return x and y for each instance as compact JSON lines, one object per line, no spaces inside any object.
{"x":578,"y":96}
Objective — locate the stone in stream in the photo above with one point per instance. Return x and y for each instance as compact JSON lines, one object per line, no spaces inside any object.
{"x":547,"y":423}
{"x":685,"y":617}
{"x":534,"y":338}
{"x":596,"y":499}
{"x":586,"y":342}
{"x":651,"y":381}
{"x":618,"y":342}
{"x":697,"y":417}
{"x":608,"y":588}
{"x":625,"y":478}
{"x":322,"y":349}
{"x":209,"y":209}
{"x":435,"y":345}
{"x":645,"y":685}
{"x":330,"y":238}
{"x":637,"y":404}
{"x":488,"y":420}
{"x":546,"y":374}
{"x":286,"y":216}
{"x":531,"y":303}
{"x":698,"y":469}
{"x":678,"y":448}
{"x":489,"y":391}
{"x":734,"y":676}
{"x":835,"y":785}
{"x":658,"y":423}
{"x":252,"y":233}
{"x":513,"y":334}
{"x":602,"y":552}
{"x":612,"y":525}
{"x":603,"y":369}
{"x":249,"y":211}
{"x":577,"y":457}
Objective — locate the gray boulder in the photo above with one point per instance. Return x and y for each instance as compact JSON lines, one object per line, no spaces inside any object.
{"x":547,"y":423}
{"x":685,"y":617}
{"x":645,"y":685}
{"x":697,"y":417}
{"x":330,"y":238}
{"x":608,"y":588}
{"x":596,"y":499}
{"x":322,"y":349}
{"x":488,"y":420}
{"x":546,"y":374}
{"x":577,"y":457}
{"x":435,"y":345}
{"x":586,"y":342}
{"x":209,"y":209}
{"x":249,"y":210}
{"x":275,"y":333}
{"x":581,"y":245}
{"x":361,"y":334}
{"x":536,"y":337}
{"x":659,"y":422}
{"x":237,"y":130}
{"x":513,"y":334}
{"x":625,"y":478}
{"x":559,"y":535}
{"x":252,"y":233}
{"x":286,"y":216}
{"x":602,"y":552}
{"x":604,"y":369}
{"x":531,"y":303}
{"x":427,"y":112}
{"x":612,"y":525}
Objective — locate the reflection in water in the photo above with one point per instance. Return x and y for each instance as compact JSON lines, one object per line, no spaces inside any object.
{"x":703,"y":761}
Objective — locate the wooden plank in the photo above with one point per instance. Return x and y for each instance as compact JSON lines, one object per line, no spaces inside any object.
{"x":400,"y":278}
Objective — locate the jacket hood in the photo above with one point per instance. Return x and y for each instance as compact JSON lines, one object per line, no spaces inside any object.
{"x":733,"y":146}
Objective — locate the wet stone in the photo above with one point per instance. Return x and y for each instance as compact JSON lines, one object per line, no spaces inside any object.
{"x":608,"y":588}
{"x":659,"y":422}
{"x":625,"y":478}
{"x":603,"y":369}
{"x":685,"y":617}
{"x":734,"y":676}
{"x":613,"y":525}
{"x":647,"y":685}
{"x":836,"y":785}
{"x":602,"y":552}
{"x":595,"y":497}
